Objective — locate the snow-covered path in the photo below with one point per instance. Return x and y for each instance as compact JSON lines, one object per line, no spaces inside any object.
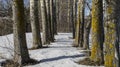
{"x":59,"y":54}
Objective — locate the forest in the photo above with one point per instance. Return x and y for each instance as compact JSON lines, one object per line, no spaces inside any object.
{"x":59,"y":33}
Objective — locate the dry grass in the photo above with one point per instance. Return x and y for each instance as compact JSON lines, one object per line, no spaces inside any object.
{"x":88,"y":61}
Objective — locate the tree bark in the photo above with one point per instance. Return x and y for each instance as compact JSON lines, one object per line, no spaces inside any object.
{"x":87,"y":28}
{"x":21,"y":54}
{"x":77,"y":34}
{"x":55,"y":16}
{"x":97,"y":21}
{"x":48,"y":20}
{"x":82,"y":10}
{"x":112,"y":57}
{"x":57,"y":13}
{"x":45,"y":34}
{"x":34,"y":17}
{"x":74,"y":17}
{"x":68,"y":15}
{"x":52,"y":20}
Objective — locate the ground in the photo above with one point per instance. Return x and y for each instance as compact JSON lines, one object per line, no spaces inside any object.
{"x":59,"y":54}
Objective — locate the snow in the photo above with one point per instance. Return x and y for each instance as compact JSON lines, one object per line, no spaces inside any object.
{"x":59,"y":54}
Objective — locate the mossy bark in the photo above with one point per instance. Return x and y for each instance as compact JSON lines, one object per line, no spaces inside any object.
{"x":97,"y":21}
{"x":112,"y":25}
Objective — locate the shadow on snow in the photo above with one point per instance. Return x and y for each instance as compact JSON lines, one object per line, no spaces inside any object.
{"x":60,"y":57}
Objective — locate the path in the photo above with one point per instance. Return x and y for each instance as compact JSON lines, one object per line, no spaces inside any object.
{"x":60,"y":54}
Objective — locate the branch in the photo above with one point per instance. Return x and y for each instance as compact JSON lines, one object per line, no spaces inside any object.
{"x":88,"y":6}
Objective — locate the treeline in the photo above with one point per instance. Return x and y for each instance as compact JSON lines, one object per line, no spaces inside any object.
{"x":6,"y":17}
{"x":102,"y":24}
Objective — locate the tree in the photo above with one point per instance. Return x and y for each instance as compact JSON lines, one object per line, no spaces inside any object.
{"x":73,"y":17}
{"x":6,"y":8}
{"x":21,"y":54}
{"x":76,"y":44}
{"x":34,"y":18}
{"x":45,"y":34}
{"x":57,"y":13}
{"x":55,"y":16}
{"x":87,"y":28}
{"x":52,"y":19}
{"x":77,"y":34}
{"x":82,"y":10}
{"x":97,"y":26}
{"x":49,"y":21}
{"x":80,"y":24}
{"x":112,"y":25}
{"x":69,"y":13}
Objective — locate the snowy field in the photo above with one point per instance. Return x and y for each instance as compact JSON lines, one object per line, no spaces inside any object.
{"x":59,"y":54}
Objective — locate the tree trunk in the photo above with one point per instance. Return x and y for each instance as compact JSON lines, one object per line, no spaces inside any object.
{"x":97,"y":21}
{"x":82,"y":10}
{"x":74,"y":17}
{"x":77,"y":34}
{"x":68,"y":16}
{"x":48,"y":20}
{"x":57,"y":13}
{"x":34,"y":17}
{"x":45,"y":34}
{"x":112,"y":56}
{"x":55,"y":16}
{"x":21,"y":54}
{"x":60,"y":13}
{"x":87,"y":28}
{"x":52,"y":20}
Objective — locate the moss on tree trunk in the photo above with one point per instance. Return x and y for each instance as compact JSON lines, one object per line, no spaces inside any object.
{"x":97,"y":20}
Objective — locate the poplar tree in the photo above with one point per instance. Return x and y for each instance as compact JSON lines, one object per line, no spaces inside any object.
{"x":21,"y":54}
{"x":77,"y":34}
{"x":112,"y":30}
{"x":82,"y":17}
{"x":52,"y":19}
{"x":34,"y":18}
{"x":80,"y":24}
{"x":97,"y":26}
{"x":45,"y":33}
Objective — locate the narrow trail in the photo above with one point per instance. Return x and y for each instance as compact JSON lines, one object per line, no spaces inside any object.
{"x":59,"y":54}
